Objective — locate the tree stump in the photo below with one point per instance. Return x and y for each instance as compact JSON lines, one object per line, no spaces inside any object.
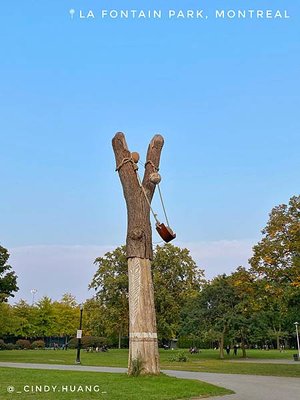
{"x":143,"y":345}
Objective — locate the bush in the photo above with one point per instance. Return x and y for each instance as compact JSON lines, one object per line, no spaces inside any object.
{"x":38,"y":344}
{"x":72,"y":343}
{"x":179,"y":357}
{"x":88,"y":341}
{"x":3,"y":346}
{"x":23,"y":344}
{"x":10,"y":346}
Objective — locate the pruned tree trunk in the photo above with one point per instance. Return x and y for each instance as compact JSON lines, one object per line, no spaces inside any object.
{"x":143,"y":345}
{"x":243,"y":347}
{"x":278,"y":335}
{"x":221,"y":342}
{"x":120,"y":337}
{"x":142,"y":322}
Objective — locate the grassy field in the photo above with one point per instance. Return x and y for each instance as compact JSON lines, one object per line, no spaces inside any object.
{"x":65,"y":385}
{"x":206,"y":361}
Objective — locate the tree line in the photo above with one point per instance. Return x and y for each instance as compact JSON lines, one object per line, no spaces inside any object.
{"x":255,"y":306}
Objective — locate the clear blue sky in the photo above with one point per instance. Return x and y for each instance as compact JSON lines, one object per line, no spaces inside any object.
{"x":223,"y":93}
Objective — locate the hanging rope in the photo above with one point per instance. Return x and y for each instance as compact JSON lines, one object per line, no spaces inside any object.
{"x":146,"y":197}
{"x":159,"y":191}
{"x":135,"y":167}
{"x":163,"y":205}
{"x":151,"y":162}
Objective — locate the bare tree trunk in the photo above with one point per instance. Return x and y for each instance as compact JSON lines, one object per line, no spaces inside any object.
{"x":278,"y":334}
{"x":221,"y":344}
{"x":142,"y":321}
{"x":120,"y":336}
{"x":243,"y":346}
{"x":143,"y":343}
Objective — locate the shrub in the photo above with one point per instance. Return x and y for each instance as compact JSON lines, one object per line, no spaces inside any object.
{"x":179,"y":357}
{"x":23,"y":344}
{"x":10,"y":346}
{"x":88,"y":341}
{"x":38,"y":344}
{"x":3,"y":346}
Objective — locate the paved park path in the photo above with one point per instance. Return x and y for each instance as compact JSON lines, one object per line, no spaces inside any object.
{"x":246,"y":387}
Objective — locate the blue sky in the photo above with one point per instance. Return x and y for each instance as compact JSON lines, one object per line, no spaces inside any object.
{"x":223,"y":93}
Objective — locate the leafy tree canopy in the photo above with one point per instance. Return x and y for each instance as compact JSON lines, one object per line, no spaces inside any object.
{"x":277,"y":256}
{"x":111,"y":285}
{"x":8,"y":278}
{"x":176,"y":279}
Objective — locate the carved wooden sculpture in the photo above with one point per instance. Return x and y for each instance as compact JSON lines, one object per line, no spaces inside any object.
{"x":143,"y":344}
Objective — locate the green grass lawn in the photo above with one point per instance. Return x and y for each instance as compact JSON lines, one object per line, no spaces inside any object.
{"x":206,"y":361}
{"x":225,"y":367}
{"x":73,"y":385}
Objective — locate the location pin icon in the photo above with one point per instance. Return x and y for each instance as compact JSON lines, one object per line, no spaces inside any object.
{"x":72,"y":12}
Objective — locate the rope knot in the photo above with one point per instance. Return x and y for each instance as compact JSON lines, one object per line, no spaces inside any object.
{"x":126,"y":160}
{"x":151,"y":162}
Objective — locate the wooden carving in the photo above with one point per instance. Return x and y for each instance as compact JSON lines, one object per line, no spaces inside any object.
{"x":143,"y":344}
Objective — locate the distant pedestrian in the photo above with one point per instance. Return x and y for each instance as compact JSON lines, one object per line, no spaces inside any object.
{"x":228,"y":350}
{"x":281,"y":348}
{"x":235,"y":349}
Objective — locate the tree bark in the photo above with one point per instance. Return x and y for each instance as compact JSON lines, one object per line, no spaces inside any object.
{"x":221,"y":344}
{"x":139,"y":235}
{"x":278,"y":340}
{"x":143,"y":345}
{"x":243,"y":347}
{"x":119,"y":342}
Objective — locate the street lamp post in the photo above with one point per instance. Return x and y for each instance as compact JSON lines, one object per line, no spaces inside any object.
{"x":33,"y":292}
{"x":297,"y":335}
{"x":79,"y":334}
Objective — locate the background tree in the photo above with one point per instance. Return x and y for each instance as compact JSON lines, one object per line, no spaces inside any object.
{"x":276,"y":263}
{"x":111,"y":285}
{"x":8,"y":323}
{"x":277,"y":256}
{"x":214,"y":310}
{"x":65,"y":315}
{"x":245,"y":319}
{"x":45,"y":318}
{"x":25,"y":317}
{"x":176,"y":280}
{"x":8,"y":278}
{"x":95,"y":319}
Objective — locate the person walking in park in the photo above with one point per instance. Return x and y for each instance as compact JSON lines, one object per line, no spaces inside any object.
{"x":235,"y":349}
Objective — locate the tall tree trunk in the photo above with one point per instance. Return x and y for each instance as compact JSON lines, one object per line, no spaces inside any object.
{"x":277,"y":335}
{"x":120,"y":336}
{"x":142,"y":321}
{"x":221,"y":344}
{"x":243,"y":346}
{"x":278,"y":340}
{"x":143,"y":343}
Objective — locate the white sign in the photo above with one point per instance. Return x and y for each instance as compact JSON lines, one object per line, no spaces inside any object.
{"x":79,"y":334}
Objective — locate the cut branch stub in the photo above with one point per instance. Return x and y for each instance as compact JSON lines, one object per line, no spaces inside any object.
{"x":139,"y":235}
